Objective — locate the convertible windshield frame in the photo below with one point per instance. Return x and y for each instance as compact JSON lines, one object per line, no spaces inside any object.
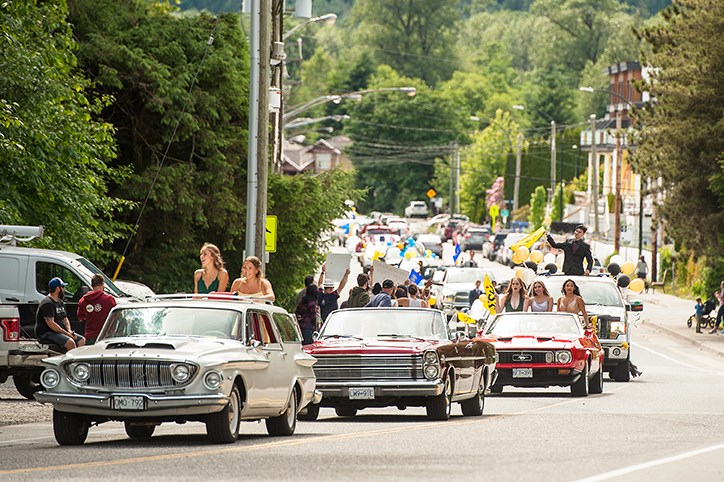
{"x":373,"y":323}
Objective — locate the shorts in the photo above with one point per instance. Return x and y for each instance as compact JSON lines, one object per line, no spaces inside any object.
{"x":641,"y":275}
{"x":59,"y":339}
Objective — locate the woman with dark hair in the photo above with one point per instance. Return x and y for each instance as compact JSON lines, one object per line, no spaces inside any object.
{"x":252,"y":282}
{"x":571,"y":301}
{"x":212,"y":276}
{"x":515,"y":297}
{"x":400,"y":298}
{"x":541,"y":300}
{"x":307,"y":312}
{"x":415,"y":301}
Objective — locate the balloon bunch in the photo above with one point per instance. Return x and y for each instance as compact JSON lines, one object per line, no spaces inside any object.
{"x":531,"y":260}
{"x":621,"y":271}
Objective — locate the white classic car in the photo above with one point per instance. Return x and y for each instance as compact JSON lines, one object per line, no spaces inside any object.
{"x":176,"y":360}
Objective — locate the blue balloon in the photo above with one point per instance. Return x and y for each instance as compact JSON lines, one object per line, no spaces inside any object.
{"x":434,"y":255}
{"x":411,"y":241}
{"x":389,"y":243}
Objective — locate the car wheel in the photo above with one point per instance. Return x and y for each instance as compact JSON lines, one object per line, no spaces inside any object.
{"x":345,"y":411}
{"x":496,"y":389}
{"x":621,"y":373}
{"x":473,"y":407}
{"x":596,"y":385}
{"x":438,"y":407}
{"x":286,"y":423}
{"x":26,"y":386}
{"x":139,"y":431}
{"x":223,"y":427}
{"x":311,"y":414}
{"x":69,"y":428}
{"x":580,"y":388}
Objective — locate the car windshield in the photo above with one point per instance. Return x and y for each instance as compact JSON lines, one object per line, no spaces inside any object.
{"x":594,"y":292}
{"x":381,"y":323}
{"x":505,"y":325}
{"x":155,"y":320}
{"x":111,"y":288}
{"x":467,"y":275}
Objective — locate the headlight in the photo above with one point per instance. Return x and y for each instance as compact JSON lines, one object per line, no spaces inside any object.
{"x":431,"y":371}
{"x":618,"y":327}
{"x":180,"y":373}
{"x":563,"y":356}
{"x":50,"y":378}
{"x":430,"y":357}
{"x":80,"y":371}
{"x":549,"y":357}
{"x":212,"y":380}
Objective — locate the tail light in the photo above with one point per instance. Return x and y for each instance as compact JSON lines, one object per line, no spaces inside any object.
{"x":467,"y":235}
{"x":11,"y":329}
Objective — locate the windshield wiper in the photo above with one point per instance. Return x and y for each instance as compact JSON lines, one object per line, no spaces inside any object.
{"x":341,"y":336}
{"x":393,"y":335}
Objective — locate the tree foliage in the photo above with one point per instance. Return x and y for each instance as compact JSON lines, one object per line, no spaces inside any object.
{"x":682,"y":133}
{"x":537,"y":207}
{"x":53,"y":146}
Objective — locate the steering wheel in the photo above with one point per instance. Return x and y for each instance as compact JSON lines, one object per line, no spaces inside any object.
{"x":215,"y":333}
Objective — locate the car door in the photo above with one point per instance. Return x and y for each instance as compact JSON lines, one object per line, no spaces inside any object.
{"x":275,"y":388}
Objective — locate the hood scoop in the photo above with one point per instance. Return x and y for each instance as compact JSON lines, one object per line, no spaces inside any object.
{"x":123,"y":345}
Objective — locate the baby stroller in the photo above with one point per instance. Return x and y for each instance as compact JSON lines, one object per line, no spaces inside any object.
{"x":706,"y":319}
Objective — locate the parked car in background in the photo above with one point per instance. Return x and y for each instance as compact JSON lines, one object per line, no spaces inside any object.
{"x":398,"y":226}
{"x":379,"y":357}
{"x":546,"y":349}
{"x":176,"y":360}
{"x":453,"y":226}
{"x":504,"y":255}
{"x":490,"y":249}
{"x":135,"y":289}
{"x":474,"y":236}
{"x":452,"y":292}
{"x":416,"y":209}
{"x":430,"y":241}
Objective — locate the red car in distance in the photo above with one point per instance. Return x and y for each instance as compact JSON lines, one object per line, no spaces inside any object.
{"x":545,"y":349}
{"x":403,"y":357}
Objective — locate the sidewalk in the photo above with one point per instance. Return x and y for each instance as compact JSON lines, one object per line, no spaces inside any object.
{"x":673,"y":324}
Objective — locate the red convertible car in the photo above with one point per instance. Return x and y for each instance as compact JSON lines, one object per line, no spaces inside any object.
{"x":546,"y":349}
{"x":379,"y":357}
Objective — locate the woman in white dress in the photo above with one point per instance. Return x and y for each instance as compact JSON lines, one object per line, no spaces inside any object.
{"x":540,"y":300}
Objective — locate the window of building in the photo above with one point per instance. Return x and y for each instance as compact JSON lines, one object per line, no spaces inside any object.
{"x":324,"y":162}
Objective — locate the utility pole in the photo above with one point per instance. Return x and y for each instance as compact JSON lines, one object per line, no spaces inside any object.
{"x":263,"y":128}
{"x":276,"y":82}
{"x":251,"y":169}
{"x":553,"y":160}
{"x":452,"y":179}
{"x":617,"y":198}
{"x":594,"y":181}
{"x":516,"y":182}
{"x":457,"y":176}
{"x":641,"y":214}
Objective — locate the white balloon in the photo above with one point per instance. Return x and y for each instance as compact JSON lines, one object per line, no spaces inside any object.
{"x":616,"y":258}
{"x":549,"y":258}
{"x":528,"y":276}
{"x":559,"y":259}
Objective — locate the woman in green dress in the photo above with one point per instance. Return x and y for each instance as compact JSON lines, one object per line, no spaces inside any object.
{"x":212,"y":276}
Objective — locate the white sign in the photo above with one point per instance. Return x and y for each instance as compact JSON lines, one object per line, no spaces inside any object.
{"x":383,"y":271}
{"x":337,"y":263}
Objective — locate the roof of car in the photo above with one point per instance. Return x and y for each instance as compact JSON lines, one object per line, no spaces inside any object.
{"x":213,"y":301}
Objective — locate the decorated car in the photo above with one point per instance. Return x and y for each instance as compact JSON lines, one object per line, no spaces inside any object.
{"x":403,"y":357}
{"x":545,"y":349}
{"x":177,"y":360}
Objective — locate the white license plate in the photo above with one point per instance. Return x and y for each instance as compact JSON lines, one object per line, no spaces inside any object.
{"x":361,"y":393}
{"x":128,"y":402}
{"x":522,"y":373}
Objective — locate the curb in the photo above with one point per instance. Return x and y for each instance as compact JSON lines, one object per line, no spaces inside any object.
{"x":674,"y":334}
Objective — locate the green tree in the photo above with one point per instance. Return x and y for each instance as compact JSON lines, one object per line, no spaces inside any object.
{"x":558,"y":199}
{"x":682,"y":134}
{"x":537,"y":207}
{"x":54,"y":149}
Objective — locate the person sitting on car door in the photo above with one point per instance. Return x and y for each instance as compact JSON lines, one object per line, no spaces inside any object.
{"x":94,"y":308}
{"x":575,"y":251}
{"x":51,"y":321}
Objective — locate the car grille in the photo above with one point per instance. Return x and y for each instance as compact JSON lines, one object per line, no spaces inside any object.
{"x":603,"y":325}
{"x":356,"y":367}
{"x":132,"y":374}
{"x":522,"y":357}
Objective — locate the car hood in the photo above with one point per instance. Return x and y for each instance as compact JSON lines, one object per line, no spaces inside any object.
{"x":375,"y":346}
{"x":176,"y":347}
{"x":539,"y":342}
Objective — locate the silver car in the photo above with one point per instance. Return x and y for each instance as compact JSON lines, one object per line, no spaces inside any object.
{"x":176,"y":360}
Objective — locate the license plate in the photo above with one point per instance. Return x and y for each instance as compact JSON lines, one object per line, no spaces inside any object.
{"x":128,"y":402}
{"x":522,"y":373}
{"x":361,"y":393}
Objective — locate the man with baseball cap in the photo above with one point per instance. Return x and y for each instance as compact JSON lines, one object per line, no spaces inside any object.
{"x":51,"y":321}
{"x":575,"y":251}
{"x":328,"y":297}
{"x":384,"y":297}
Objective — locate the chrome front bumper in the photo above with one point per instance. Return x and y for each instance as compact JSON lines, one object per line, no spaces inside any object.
{"x":390,"y":389}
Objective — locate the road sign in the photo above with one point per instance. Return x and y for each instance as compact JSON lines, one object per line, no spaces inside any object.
{"x":494,"y":210}
{"x":431,"y":193}
{"x":270,"y":237}
{"x":504,"y":213}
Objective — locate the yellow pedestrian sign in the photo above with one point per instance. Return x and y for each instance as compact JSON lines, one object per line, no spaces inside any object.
{"x":270,"y":237}
{"x":431,"y":193}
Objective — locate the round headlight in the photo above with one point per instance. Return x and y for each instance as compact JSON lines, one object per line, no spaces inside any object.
{"x":212,"y":380}
{"x":50,"y":378}
{"x":549,"y":357}
{"x":430,"y":357}
{"x":80,"y":371}
{"x":180,"y":373}
{"x":616,"y":351}
{"x":563,"y":356}
{"x":431,"y":371}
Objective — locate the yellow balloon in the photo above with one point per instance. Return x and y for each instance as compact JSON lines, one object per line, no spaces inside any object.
{"x":431,"y":301}
{"x":408,"y":254}
{"x":536,"y":256}
{"x":636,"y":285}
{"x":376,"y":256}
{"x":428,"y":253}
{"x":522,"y":253}
{"x":400,"y":245}
{"x":628,"y":267}
{"x":482,"y":298}
{"x":519,"y":272}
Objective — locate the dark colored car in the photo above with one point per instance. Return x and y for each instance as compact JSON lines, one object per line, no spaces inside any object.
{"x":496,"y":242}
{"x":433,"y":242}
{"x":473,"y":237}
{"x":380,"y":357}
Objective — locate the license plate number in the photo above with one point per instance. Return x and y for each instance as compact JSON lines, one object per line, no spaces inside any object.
{"x":127,"y":402}
{"x":522,"y":373}
{"x":361,"y":393}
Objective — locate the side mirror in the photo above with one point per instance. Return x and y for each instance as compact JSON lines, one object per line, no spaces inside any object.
{"x":315,"y":336}
{"x":254,"y":343}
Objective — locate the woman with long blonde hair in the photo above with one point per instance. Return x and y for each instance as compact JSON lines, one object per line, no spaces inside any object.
{"x":540,"y":300}
{"x":212,"y":276}
{"x":252,"y":282}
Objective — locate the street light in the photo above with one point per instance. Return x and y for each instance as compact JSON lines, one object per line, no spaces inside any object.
{"x":617,"y":195}
{"x":327,"y":18}
{"x":553,"y":146}
{"x":337,"y":98}
{"x":303,"y":121}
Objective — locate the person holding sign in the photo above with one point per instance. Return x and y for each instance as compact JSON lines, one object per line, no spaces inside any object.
{"x":575,"y":251}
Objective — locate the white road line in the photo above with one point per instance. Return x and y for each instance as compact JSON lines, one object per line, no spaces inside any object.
{"x":653,"y":463}
{"x":695,"y":367}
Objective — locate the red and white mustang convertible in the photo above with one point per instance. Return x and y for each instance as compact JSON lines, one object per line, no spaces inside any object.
{"x":546,"y":349}
{"x":378,"y":357}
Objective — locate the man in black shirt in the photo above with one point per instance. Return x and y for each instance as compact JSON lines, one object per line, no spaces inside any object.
{"x":575,"y":251}
{"x":51,"y":321}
